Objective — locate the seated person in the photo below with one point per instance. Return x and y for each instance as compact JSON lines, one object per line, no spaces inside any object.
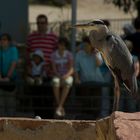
{"x":127,"y":103}
{"x":62,"y":63}
{"x":87,"y":70}
{"x":8,"y":63}
{"x":36,"y":70}
{"x":8,"y":59}
{"x":87,"y":64}
{"x":134,"y":38}
{"x":128,"y":29}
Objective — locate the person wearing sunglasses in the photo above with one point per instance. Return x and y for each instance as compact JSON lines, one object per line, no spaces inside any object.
{"x":46,"y":42}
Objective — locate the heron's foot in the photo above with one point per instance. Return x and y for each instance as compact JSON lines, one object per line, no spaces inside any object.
{"x":115,"y":107}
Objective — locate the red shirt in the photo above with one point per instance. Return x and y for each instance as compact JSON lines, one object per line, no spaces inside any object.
{"x":46,"y":42}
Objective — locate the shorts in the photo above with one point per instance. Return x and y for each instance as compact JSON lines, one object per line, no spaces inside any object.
{"x":57,"y":82}
{"x":34,"y":81}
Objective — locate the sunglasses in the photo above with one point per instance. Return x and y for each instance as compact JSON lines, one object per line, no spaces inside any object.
{"x":41,"y":22}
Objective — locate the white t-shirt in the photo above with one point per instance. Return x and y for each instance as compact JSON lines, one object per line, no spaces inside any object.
{"x":37,"y":69}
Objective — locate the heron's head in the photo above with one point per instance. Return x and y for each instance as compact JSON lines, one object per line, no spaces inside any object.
{"x":97,"y":31}
{"x":94,"y":25}
{"x":97,"y":28}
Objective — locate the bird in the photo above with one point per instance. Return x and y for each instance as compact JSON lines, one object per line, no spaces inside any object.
{"x":116,"y":56}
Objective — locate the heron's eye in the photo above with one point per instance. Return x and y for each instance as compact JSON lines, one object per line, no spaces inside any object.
{"x":98,"y":23}
{"x":91,"y":24}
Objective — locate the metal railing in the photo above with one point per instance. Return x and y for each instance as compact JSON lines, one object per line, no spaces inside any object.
{"x":63,"y":27}
{"x":78,"y":105}
{"x":27,"y":96}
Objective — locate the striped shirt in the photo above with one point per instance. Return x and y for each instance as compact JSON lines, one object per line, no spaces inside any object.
{"x":62,"y":63}
{"x":46,"y":42}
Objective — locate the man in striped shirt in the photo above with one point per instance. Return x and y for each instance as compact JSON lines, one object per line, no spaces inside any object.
{"x":47,"y":43}
{"x":43,"y":40}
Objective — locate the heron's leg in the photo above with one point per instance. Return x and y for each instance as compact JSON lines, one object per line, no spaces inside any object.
{"x":116,"y":94}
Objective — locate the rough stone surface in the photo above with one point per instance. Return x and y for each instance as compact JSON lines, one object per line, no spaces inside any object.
{"x":105,"y":129}
{"x":119,"y":126}
{"x":127,"y":125}
{"x":30,"y":129}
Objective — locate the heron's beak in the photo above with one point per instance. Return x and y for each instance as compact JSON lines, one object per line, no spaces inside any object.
{"x":81,"y":26}
{"x":85,"y":26}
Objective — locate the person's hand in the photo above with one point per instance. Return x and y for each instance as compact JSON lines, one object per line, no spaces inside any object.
{"x":58,"y":75}
{"x":95,"y":51}
{"x":77,"y":81}
{"x":64,"y":77}
{"x":5,"y":79}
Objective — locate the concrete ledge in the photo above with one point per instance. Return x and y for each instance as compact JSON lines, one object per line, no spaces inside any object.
{"x":30,"y":129}
{"x":119,"y":126}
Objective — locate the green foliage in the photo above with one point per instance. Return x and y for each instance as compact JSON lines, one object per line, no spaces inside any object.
{"x":59,"y":3}
{"x":128,"y":5}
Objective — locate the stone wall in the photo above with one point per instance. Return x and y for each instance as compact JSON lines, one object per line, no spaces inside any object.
{"x":30,"y":129}
{"x":119,"y":126}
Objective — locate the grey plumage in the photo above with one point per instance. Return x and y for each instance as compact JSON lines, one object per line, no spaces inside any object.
{"x":116,"y":56}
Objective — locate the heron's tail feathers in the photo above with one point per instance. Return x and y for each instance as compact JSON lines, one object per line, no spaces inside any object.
{"x":132,"y":87}
{"x":137,"y":96}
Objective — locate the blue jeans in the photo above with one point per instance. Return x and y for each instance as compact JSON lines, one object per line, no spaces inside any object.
{"x":105,"y":96}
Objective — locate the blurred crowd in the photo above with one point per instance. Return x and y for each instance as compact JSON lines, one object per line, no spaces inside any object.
{"x":49,"y":60}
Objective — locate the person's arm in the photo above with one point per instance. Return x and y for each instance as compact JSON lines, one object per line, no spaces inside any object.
{"x":76,"y":70}
{"x":44,"y":70}
{"x":14,"y":61}
{"x":98,"y":59}
{"x":77,"y":77}
{"x":29,"y":69}
{"x":53,"y":64}
{"x":11,"y":69}
{"x":70,"y":66}
{"x":70,"y":71}
{"x":55,"y":70}
{"x":136,"y":66}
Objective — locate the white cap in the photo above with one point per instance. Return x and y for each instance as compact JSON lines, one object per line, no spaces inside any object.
{"x":39,"y":53}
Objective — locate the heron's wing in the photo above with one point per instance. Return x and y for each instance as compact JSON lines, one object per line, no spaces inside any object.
{"x":120,"y":60}
{"x":119,"y":53}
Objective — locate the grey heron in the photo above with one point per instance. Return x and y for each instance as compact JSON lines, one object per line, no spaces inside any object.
{"x":116,"y":56}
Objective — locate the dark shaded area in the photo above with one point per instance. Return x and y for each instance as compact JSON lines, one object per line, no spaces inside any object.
{"x":58,"y":3}
{"x":83,"y":102}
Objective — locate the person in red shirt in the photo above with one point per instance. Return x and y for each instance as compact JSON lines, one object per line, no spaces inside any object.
{"x":43,"y":40}
{"x":47,"y":43}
